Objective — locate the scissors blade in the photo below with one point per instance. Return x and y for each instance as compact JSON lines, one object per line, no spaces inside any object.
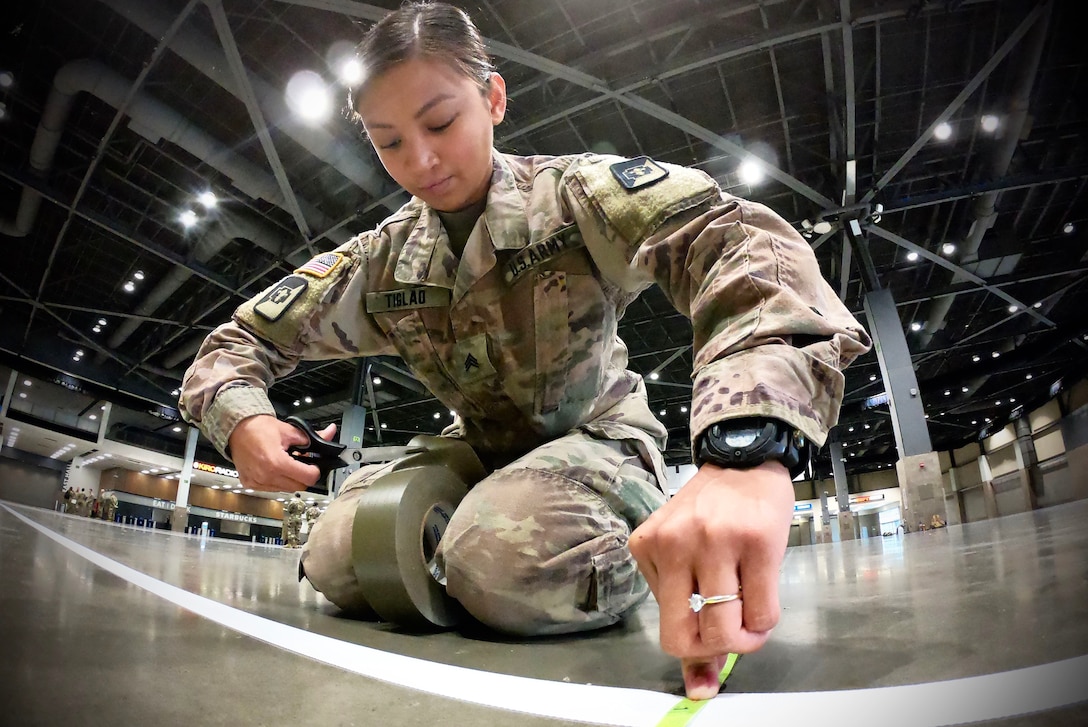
{"x":361,"y":455}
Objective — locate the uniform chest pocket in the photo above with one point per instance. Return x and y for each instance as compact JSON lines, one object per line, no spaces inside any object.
{"x":425,"y":359}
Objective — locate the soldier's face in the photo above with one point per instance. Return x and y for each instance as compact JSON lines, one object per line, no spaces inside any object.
{"x":433,"y":130}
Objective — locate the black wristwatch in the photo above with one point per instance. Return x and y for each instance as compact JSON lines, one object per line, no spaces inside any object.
{"x":749,"y":442}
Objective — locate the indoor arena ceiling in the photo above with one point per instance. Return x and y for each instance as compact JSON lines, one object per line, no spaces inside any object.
{"x":953,"y":131}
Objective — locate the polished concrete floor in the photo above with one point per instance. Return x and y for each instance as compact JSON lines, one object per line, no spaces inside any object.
{"x":115,"y":625}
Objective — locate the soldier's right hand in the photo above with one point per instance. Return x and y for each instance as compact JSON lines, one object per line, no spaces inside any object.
{"x":258,"y":446}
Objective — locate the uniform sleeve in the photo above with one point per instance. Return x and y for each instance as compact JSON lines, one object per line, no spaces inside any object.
{"x":771,"y":338}
{"x":315,"y":313}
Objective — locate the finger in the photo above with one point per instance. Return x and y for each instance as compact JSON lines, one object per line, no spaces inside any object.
{"x":702,"y":676}
{"x":759,"y":574}
{"x":720,"y":629}
{"x":328,"y":432}
{"x":678,"y":624}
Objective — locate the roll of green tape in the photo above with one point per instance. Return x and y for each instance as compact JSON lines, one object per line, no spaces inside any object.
{"x":398,"y":524}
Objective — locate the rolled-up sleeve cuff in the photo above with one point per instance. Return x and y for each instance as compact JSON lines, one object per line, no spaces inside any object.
{"x":773,"y":380}
{"x":229,"y":408}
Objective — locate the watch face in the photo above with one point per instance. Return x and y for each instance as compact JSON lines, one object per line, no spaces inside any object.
{"x":741,"y":437}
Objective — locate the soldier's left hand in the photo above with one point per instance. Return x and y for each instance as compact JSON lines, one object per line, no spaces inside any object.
{"x":726,"y":529}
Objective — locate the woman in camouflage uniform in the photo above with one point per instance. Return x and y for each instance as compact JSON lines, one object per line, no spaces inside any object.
{"x":500,"y":284}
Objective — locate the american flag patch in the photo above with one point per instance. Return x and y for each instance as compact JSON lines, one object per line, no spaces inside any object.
{"x":321,"y":265}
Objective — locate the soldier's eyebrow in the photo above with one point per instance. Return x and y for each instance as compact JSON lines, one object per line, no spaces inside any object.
{"x":422,"y":110}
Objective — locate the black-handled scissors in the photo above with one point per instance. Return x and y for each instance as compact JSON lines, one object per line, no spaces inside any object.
{"x":328,"y":456}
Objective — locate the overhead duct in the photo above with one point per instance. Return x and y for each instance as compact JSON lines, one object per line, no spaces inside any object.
{"x":984,"y":208}
{"x":220,"y":232}
{"x":154,"y":121}
{"x":207,"y":56}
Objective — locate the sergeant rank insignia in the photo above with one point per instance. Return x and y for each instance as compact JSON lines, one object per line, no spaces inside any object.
{"x":638,"y":173}
{"x":276,"y":302}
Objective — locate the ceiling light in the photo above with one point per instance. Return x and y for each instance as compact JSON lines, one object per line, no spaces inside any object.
{"x":683,"y":410}
{"x":187,"y":219}
{"x":215,"y":487}
{"x":309,"y":97}
{"x":867,"y":426}
{"x":1012,"y":400}
{"x":177,"y":429}
{"x":850,"y":429}
{"x":654,"y":376}
{"x":989,"y":123}
{"x":974,"y":421}
{"x":384,"y":425}
{"x":308,"y":400}
{"x":208,"y":199}
{"x":976,"y":358}
{"x":93,"y":417}
{"x":912,"y":256}
{"x":1013,"y":308}
{"x":453,"y":413}
{"x":965,"y":389}
{"x":943,"y":132}
{"x":298,"y":403}
{"x":351,"y":72}
{"x":437,"y":415}
{"x":22,"y":394}
{"x":996,"y":354}
{"x":997,"y":403}
{"x":97,"y":329}
{"x":872,"y":377}
{"x":7,"y":80}
{"x":1028,"y":377}
{"x":948,"y":248}
{"x":916,"y":326}
{"x":1069,"y":228}
{"x":1038,"y":305}
{"x":249,"y":489}
{"x":751,"y":172}
{"x":139,"y":275}
{"x":948,"y":392}
{"x":102,"y":322}
{"x":822,"y":227}
{"x":377,"y":380}
{"x":26,"y":382}
{"x":79,"y":352}
{"x":130,"y":286}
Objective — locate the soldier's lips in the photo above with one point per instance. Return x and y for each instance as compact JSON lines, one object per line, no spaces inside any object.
{"x":438,"y":187}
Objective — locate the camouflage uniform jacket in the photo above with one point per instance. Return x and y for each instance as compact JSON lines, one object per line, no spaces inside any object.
{"x":519,"y":335}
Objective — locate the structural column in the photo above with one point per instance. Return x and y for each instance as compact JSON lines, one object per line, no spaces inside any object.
{"x":1031,"y":477}
{"x":9,"y":391}
{"x":842,"y":493}
{"x":919,"y":467}
{"x":179,"y":518}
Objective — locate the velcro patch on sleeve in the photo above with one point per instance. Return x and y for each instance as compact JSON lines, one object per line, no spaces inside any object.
{"x":637,"y":196}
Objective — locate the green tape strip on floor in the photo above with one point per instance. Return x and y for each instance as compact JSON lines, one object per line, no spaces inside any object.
{"x":686,"y":708}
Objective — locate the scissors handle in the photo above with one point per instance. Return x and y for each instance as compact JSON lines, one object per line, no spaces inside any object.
{"x":321,"y":453}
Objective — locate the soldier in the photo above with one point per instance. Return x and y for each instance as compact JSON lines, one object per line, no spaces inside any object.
{"x":292,"y":521}
{"x":500,"y":285}
{"x":109,"y":506}
{"x":313,"y":512}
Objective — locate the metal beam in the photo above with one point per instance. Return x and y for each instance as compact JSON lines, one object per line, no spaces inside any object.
{"x":948,"y":265}
{"x":963,"y":95}
{"x":256,"y":116}
{"x":1054,"y":176}
{"x":100,"y":151}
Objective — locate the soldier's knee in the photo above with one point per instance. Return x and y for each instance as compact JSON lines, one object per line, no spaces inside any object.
{"x":520,"y":590}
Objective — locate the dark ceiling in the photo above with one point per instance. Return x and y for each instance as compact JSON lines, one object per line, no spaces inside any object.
{"x":107,"y":135}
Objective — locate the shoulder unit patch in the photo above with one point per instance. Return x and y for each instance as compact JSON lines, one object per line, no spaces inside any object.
{"x":637,"y":173}
{"x":276,"y":302}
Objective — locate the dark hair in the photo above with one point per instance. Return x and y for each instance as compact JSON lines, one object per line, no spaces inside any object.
{"x":433,"y":30}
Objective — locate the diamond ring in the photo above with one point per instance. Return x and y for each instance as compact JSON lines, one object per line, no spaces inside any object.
{"x":697,"y":601}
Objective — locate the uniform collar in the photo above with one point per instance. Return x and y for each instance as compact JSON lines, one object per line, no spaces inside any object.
{"x":426,"y":257}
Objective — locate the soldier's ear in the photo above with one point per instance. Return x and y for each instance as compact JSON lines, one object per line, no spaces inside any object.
{"x":496,"y":98}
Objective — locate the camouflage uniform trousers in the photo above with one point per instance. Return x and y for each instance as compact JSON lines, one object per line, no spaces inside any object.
{"x":537,"y":547}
